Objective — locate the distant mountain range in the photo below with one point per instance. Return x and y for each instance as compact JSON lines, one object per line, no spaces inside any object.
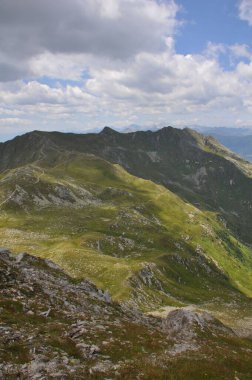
{"x":224,"y":131}
{"x":239,"y":140}
{"x":242,"y":145}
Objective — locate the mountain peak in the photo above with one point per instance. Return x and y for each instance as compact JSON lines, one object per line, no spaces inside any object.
{"x":108,"y":131}
{"x":167,"y":128}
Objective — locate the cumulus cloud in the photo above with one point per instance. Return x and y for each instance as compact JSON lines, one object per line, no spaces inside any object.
{"x":241,"y":51}
{"x":168,"y":81}
{"x":117,"y":29}
{"x":81,"y":64}
{"x":160,"y":83}
{"x":245,"y":11}
{"x":152,"y":86}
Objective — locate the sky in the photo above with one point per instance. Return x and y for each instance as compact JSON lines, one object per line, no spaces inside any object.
{"x":78,"y":65}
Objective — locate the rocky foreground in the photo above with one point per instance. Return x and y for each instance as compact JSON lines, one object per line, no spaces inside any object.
{"x":53,"y":327}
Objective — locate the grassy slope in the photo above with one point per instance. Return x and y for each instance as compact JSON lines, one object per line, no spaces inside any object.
{"x":126,"y":224}
{"x":196,"y":168}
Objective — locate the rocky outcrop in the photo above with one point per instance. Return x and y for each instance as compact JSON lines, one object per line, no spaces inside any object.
{"x":186,"y":324}
{"x":54,"y":327}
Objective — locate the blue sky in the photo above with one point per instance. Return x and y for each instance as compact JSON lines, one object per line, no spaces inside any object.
{"x":215,"y":21}
{"x":80,"y":65}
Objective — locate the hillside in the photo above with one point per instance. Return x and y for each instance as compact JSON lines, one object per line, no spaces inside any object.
{"x":196,"y":168}
{"x":238,"y":140}
{"x":76,"y":201}
{"x":55,"y":328}
{"x":128,"y":235}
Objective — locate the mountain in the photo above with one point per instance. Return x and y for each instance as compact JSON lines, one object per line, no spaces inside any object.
{"x":128,"y":235}
{"x":159,"y":221}
{"x":195,"y":167}
{"x":53,"y":327}
{"x":241,"y":145}
{"x":238,"y":140}
{"x":131,"y":236}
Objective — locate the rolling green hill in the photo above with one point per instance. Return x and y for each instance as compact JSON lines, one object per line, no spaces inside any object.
{"x":130,"y":236}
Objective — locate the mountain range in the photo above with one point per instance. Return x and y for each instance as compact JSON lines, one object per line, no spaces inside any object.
{"x":238,"y":140}
{"x":242,"y":145}
{"x":197,"y":168}
{"x":157,"y":219}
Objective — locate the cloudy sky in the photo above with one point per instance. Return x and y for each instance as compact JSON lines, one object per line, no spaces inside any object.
{"x":77,"y":65}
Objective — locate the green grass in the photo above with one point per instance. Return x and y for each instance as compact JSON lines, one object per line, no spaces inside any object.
{"x":129,"y":223}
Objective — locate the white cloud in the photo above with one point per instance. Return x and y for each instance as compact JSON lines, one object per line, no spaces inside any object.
{"x":113,"y":62}
{"x":9,"y":121}
{"x":165,"y":80}
{"x":116,"y":29}
{"x":158,"y":81}
{"x":153,"y":87}
{"x":244,"y":72}
{"x":62,"y":66}
{"x":241,"y":51}
{"x":245,"y":11}
{"x":215,"y":50}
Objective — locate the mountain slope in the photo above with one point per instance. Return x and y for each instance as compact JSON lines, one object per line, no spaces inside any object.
{"x":128,"y":235}
{"x":197,"y":168}
{"x":53,"y":327}
{"x":242,"y":145}
{"x":239,"y":139}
